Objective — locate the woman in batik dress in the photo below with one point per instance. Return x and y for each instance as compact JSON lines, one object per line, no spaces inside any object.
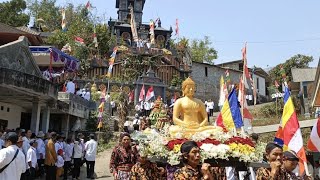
{"x":192,"y":169}
{"x":123,"y":157}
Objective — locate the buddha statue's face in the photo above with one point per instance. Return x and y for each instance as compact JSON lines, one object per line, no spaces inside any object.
{"x":189,"y":90}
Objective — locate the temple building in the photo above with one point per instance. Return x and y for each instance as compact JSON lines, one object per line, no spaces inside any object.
{"x":168,"y":63}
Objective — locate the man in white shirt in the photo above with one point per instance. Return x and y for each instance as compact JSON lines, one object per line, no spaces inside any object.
{"x":41,"y":151}
{"x":147,"y":108}
{"x":113,"y":107}
{"x":32,"y":159}
{"x":67,"y":157}
{"x":59,"y":144}
{"x":91,"y":152}
{"x":71,"y":87}
{"x":16,"y":167}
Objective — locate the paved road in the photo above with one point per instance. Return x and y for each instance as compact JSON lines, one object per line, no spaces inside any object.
{"x":101,"y":167}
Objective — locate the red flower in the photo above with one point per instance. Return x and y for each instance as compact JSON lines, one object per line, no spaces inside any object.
{"x":208,"y":141}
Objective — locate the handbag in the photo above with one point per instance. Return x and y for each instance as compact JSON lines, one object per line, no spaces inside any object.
{"x":14,"y":157}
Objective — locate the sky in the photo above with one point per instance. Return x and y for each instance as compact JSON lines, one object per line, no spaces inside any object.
{"x":274,"y":30}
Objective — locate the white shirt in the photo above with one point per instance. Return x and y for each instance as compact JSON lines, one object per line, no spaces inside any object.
{"x":60,"y":161}
{"x":16,"y":168}
{"x":113,"y":104}
{"x":136,"y":121}
{"x":25,"y":145}
{"x":91,"y":150}
{"x":71,"y":87}
{"x":147,"y":106}
{"x":210,"y":104}
{"x":41,"y":148}
{"x":32,"y":157}
{"x":77,"y":148}
{"x":58,"y":145}
{"x":1,"y":143}
{"x":86,"y":95}
{"x":68,"y":152}
{"x":137,"y":108}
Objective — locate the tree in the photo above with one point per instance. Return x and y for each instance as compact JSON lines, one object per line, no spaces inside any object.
{"x":80,"y":23}
{"x":46,"y":14}
{"x":202,"y":51}
{"x":296,"y":61}
{"x":12,"y":13}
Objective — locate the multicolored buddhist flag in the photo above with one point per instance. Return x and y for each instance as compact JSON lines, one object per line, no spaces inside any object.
{"x":223,"y":92}
{"x":314,"y":140}
{"x":63,"y":22}
{"x":95,"y":39}
{"x":228,"y":80}
{"x":111,"y":61}
{"x":292,"y":137}
{"x":151,"y":24}
{"x":88,"y":6}
{"x":230,"y":115}
{"x":133,"y":26}
{"x":101,"y":106}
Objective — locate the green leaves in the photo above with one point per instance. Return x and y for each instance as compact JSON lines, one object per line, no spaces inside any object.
{"x":296,"y":61}
{"x":202,"y":51}
{"x":12,"y":13}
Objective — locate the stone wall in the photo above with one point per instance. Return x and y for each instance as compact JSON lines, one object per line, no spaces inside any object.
{"x":208,"y":87}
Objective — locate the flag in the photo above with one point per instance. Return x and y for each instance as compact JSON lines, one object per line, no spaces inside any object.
{"x":292,"y":137}
{"x":133,"y":26}
{"x":314,"y":140}
{"x":88,"y":6}
{"x":63,"y":22}
{"x":227,"y":76}
{"x":177,"y":27}
{"x":151,"y":31}
{"x":278,"y":139}
{"x":79,"y":40}
{"x":142,"y":94}
{"x":276,"y":84}
{"x":111,"y":61}
{"x":230,"y":116}
{"x":95,"y":39}
{"x":175,"y":97}
{"x":150,"y":93}
{"x":131,"y":96}
{"x":247,"y":117}
{"x":101,"y":107}
{"x":223,"y":92}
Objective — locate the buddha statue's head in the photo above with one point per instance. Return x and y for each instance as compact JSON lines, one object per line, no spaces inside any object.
{"x":188,"y":87}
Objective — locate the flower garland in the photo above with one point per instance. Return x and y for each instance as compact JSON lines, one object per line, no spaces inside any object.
{"x":219,"y":146}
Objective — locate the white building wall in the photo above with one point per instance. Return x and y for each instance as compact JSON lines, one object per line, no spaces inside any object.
{"x":262,"y":84}
{"x":11,"y":113}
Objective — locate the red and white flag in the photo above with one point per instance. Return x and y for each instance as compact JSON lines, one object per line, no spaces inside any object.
{"x":314,"y":140}
{"x":177,"y":27}
{"x":88,"y":6}
{"x":150,"y":93}
{"x":131,"y":96}
{"x":142,"y":94}
{"x":79,"y":40}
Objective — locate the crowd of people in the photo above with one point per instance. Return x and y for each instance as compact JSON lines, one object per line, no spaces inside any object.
{"x":128,"y":163}
{"x":27,"y":156}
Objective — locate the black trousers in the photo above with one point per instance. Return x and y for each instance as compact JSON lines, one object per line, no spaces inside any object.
{"x":66,"y":168}
{"x":41,"y":167}
{"x":211,"y":112}
{"x":51,"y":172}
{"x":31,"y":173}
{"x":90,"y":168}
{"x":76,"y":167}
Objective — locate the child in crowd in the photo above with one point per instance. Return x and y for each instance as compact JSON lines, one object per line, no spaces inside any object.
{"x":59,"y":164}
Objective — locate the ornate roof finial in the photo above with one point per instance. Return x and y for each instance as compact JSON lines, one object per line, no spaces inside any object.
{"x":159,"y":23}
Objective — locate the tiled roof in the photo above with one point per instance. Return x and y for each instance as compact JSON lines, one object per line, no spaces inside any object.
{"x":4,"y":28}
{"x":303,"y":74}
{"x":28,"y":30}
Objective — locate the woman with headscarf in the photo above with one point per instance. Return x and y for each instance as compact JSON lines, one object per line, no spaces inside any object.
{"x":123,"y":157}
{"x":192,"y":169}
{"x":274,"y":156}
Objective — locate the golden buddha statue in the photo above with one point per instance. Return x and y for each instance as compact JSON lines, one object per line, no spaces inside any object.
{"x":189,"y":113}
